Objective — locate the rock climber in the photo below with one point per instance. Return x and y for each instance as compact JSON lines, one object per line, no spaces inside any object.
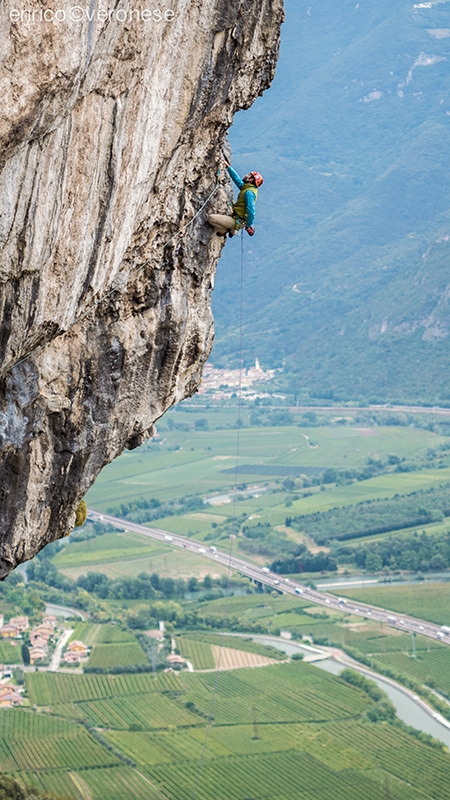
{"x":243,"y":215}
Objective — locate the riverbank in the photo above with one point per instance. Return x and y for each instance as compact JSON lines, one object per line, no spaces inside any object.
{"x":410,"y":708}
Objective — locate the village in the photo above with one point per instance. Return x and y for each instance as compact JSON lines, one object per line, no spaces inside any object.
{"x":38,"y":647}
{"x":220,"y":384}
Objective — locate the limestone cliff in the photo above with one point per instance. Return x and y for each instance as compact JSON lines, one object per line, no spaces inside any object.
{"x":112,"y":120}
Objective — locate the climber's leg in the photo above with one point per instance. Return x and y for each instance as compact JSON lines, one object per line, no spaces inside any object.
{"x":223,"y":223}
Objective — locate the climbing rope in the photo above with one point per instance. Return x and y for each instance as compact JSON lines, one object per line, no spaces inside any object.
{"x":234,"y":528}
{"x":134,"y":271}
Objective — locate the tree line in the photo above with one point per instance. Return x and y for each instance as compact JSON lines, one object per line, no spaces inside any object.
{"x":375,"y":516}
{"x":417,"y":552}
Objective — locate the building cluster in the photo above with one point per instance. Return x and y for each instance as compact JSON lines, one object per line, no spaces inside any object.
{"x":214,"y":379}
{"x":75,"y":652}
{"x":175,"y":661}
{"x":39,"y":638}
{"x":10,"y":696}
{"x":13,"y":629}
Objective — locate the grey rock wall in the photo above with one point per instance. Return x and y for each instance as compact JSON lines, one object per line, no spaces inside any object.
{"x":110,"y":134}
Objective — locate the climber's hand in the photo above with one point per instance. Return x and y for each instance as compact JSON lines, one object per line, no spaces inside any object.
{"x":250,"y":230}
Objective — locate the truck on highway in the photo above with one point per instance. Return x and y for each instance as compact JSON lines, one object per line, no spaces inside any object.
{"x":298,"y":591}
{"x":445,"y":628}
{"x":392,"y":619}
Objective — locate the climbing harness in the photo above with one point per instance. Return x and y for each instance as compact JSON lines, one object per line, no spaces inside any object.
{"x":134,"y":271}
{"x":234,"y":528}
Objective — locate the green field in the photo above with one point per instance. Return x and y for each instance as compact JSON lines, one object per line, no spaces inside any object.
{"x":201,"y":463}
{"x":109,"y":547}
{"x":429,"y":601}
{"x":45,"y":688}
{"x":122,"y":654}
{"x":271,"y":508}
{"x":30,"y":741}
{"x":428,"y":668}
{"x":127,"y":554}
{"x":235,"y":642}
{"x":101,"y":634}
{"x":9,"y":654}
{"x":203,"y":455}
{"x":288,"y":731}
{"x":198,"y":653}
{"x":381,"y":643}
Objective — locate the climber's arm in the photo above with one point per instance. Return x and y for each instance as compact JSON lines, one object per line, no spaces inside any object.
{"x":249,"y":198}
{"x":235,"y":177}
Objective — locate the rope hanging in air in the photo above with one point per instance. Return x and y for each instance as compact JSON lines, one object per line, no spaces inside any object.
{"x":234,"y":529}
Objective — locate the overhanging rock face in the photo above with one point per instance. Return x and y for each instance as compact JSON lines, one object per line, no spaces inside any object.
{"x":111,"y":129}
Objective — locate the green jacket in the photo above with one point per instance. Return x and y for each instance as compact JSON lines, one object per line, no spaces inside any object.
{"x":244,"y":207}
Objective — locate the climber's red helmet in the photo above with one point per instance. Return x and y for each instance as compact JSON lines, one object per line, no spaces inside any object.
{"x":258,"y":178}
{"x":254,"y":177}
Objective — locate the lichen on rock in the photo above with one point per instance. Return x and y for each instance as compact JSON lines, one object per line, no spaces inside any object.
{"x":111,"y":129}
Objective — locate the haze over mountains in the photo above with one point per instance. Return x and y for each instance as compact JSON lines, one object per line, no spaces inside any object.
{"x":347,"y":280}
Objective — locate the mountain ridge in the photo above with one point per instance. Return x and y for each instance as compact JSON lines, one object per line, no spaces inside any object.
{"x":354,"y":143}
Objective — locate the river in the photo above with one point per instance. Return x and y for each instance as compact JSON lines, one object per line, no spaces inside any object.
{"x":64,"y":611}
{"x":367,"y":579}
{"x":408,"y":709}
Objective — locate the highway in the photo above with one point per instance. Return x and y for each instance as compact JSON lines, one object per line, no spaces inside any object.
{"x":402,"y":622}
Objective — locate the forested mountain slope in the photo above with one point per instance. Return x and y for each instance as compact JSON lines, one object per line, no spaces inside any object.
{"x":347,"y":279}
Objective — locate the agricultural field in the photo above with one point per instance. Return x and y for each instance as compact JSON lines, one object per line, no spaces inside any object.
{"x":30,"y":741}
{"x":123,"y":654}
{"x":202,"y":462}
{"x":48,"y":689}
{"x":101,"y":634}
{"x":287,"y":730}
{"x":429,"y":601}
{"x":9,"y":654}
{"x":380,"y":643}
{"x":148,"y":712}
{"x":431,"y":668}
{"x":230,"y":653}
{"x":168,"y":471}
{"x":197,"y":652}
{"x":251,"y":606}
{"x":230,"y":642}
{"x":109,"y":547}
{"x":166,"y":561}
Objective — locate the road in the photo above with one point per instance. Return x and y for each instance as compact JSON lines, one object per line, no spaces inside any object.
{"x":387,"y":409}
{"x":57,"y":653}
{"x":402,"y":622}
